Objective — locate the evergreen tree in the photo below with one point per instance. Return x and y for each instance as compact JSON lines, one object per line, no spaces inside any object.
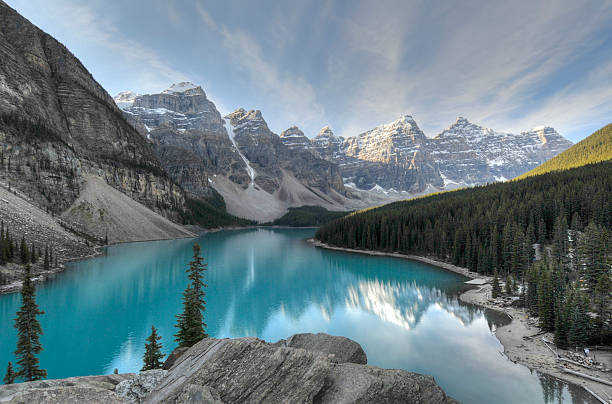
{"x":153,"y":355}
{"x":602,"y":301}
{"x":9,"y":378}
{"x":28,"y":332}
{"x":23,"y":251}
{"x":46,"y":264}
{"x":508,"y":286}
{"x":496,"y":289}
{"x":579,"y":325}
{"x":190,"y":323}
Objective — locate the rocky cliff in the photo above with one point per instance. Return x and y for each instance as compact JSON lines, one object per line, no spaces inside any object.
{"x":58,"y":126}
{"x":258,"y":173}
{"x":469,"y":154}
{"x":305,"y":368}
{"x":398,"y":157}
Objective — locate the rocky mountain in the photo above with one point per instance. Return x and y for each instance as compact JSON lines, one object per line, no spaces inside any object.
{"x":258,"y":173}
{"x":399,"y":158}
{"x":59,"y":128}
{"x":470,"y":154}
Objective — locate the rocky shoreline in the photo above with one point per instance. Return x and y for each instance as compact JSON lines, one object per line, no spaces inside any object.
{"x":521,"y":338}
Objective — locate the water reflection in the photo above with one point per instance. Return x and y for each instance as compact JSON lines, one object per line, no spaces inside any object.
{"x":271,"y":284}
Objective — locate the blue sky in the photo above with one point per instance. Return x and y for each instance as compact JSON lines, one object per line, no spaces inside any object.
{"x":355,"y":64}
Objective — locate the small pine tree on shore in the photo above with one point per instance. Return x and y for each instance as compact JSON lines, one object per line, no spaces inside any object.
{"x":496,"y":290}
{"x":190,"y":323}
{"x":28,"y":332}
{"x":153,"y":355}
{"x":9,"y":377}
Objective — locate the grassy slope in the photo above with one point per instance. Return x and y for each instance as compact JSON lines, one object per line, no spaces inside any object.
{"x":594,"y":149}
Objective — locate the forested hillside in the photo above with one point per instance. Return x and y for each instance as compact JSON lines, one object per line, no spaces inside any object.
{"x":594,"y":149}
{"x":492,"y":230}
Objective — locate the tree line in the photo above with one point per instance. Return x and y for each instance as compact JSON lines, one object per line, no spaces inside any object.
{"x":493,"y":229}
{"x":190,"y":325}
{"x":15,"y":251}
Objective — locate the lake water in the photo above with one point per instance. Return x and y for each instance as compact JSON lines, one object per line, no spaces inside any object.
{"x":270,"y":283}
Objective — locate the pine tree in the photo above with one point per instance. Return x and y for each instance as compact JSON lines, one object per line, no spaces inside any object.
{"x":46,"y":264}
{"x":508,"y":286}
{"x":153,"y":355}
{"x":28,"y":332}
{"x":196,"y":275}
{"x":602,"y":301}
{"x":23,"y":251}
{"x":190,"y":323}
{"x":496,"y":290}
{"x":9,"y":378}
{"x":579,"y":326}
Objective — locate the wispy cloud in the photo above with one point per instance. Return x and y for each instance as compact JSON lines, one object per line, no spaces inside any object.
{"x":356,"y":64}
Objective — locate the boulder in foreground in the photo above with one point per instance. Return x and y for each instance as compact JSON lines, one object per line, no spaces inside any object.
{"x":305,"y":368}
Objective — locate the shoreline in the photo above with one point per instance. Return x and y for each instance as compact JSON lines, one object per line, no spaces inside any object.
{"x":42,"y":276}
{"x":521,"y":340}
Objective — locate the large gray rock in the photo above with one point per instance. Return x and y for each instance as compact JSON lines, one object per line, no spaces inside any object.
{"x":305,"y":368}
{"x":87,"y":389}
{"x":251,"y":370}
{"x":138,"y":387}
{"x":342,"y":349}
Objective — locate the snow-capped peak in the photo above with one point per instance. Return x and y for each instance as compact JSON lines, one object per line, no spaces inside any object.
{"x":180,"y":88}
{"x":325,"y":132}
{"x":125,"y":98}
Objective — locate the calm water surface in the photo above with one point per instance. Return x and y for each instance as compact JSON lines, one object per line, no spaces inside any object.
{"x":271,"y":284}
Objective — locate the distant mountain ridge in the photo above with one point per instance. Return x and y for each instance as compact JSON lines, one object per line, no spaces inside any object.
{"x":237,"y":156}
{"x":594,"y":149}
{"x":241,"y":159}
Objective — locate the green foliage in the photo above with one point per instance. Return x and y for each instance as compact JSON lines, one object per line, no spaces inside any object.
{"x":28,"y":332}
{"x":190,"y":323}
{"x":492,"y":229}
{"x":210,"y":213}
{"x":496,"y":290}
{"x":594,"y":149}
{"x":153,"y":355}
{"x":9,"y":377}
{"x":304,"y":216}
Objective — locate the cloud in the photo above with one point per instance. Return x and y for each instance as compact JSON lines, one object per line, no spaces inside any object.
{"x":293,"y":95}
{"x":149,"y":70}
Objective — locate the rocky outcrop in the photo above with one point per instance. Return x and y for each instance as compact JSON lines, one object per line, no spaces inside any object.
{"x":59,"y":127}
{"x":398,"y":157}
{"x":251,"y":370}
{"x":343,"y":349}
{"x":74,"y":390}
{"x":316,"y":368}
{"x":469,"y":154}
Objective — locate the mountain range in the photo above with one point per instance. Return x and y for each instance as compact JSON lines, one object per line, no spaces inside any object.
{"x":260,"y":174}
{"x":138,"y":166}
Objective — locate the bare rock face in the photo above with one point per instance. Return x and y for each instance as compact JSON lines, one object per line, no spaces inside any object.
{"x":305,"y":368}
{"x":74,"y":390}
{"x":57,"y":122}
{"x":251,"y":370}
{"x":470,"y":154}
{"x":343,"y":349}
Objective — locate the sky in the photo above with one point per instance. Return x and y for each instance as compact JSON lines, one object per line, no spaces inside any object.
{"x":353,"y":65}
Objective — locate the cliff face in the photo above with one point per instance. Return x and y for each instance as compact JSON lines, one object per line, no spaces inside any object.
{"x":57,"y":124}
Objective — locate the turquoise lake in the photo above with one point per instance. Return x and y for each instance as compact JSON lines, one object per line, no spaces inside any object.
{"x":270,"y":283}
